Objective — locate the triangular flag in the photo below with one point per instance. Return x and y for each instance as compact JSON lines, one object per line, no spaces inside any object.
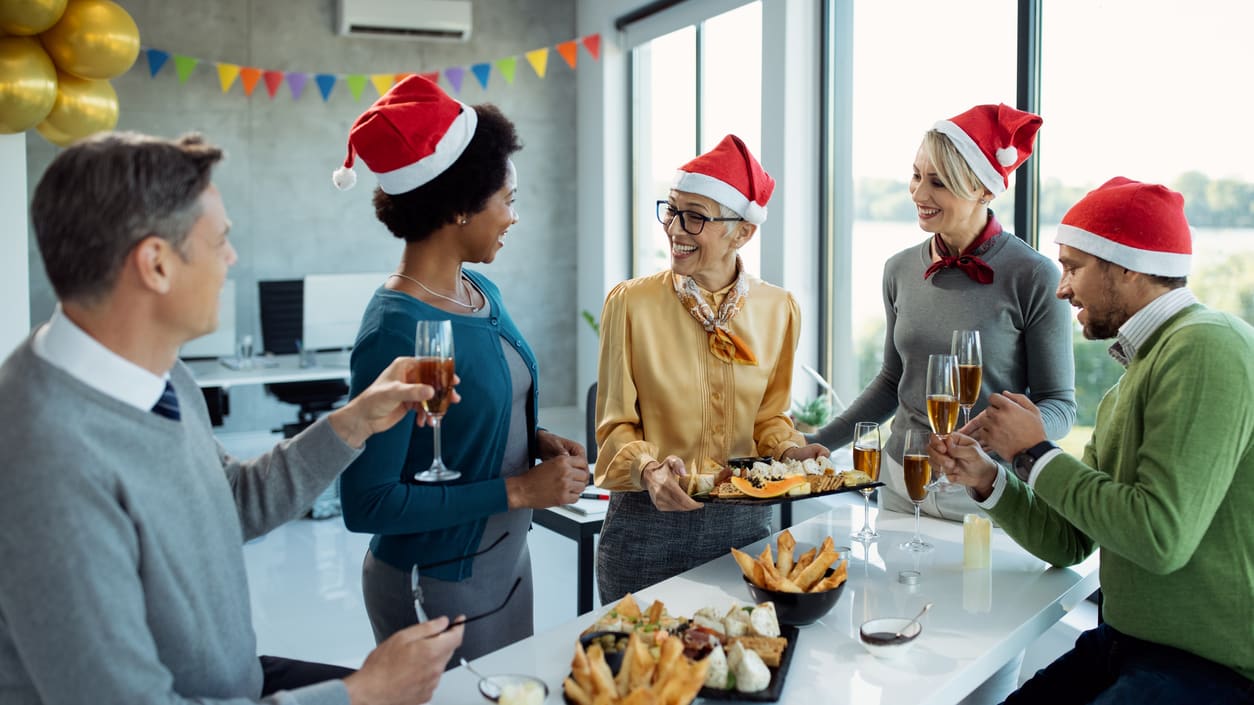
{"x":249,"y":77}
{"x":184,"y":65}
{"x":432,"y":76}
{"x":325,"y":83}
{"x":592,"y":43}
{"x":539,"y":60}
{"x":296,"y":81}
{"x":356,"y":84}
{"x":481,"y":72}
{"x":455,"y":76}
{"x":506,"y":67}
{"x":273,"y":80}
{"x":402,"y":76}
{"x":227,"y":73}
{"x":382,"y":81}
{"x":569,"y":51}
{"x":157,"y":59}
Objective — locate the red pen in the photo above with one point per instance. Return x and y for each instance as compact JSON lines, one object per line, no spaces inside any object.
{"x":594,"y":495}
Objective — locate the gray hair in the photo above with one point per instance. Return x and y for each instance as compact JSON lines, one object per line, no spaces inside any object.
{"x":102,"y":196}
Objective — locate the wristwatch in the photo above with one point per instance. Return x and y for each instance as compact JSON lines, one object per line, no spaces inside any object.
{"x":1023,"y":462}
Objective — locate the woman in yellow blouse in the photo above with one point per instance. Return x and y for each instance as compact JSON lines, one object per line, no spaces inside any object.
{"x":696,"y":363}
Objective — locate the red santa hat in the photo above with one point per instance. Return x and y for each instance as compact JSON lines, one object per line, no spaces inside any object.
{"x":408,"y":137}
{"x":1135,"y":225}
{"x":731,"y":176}
{"x":994,"y":140}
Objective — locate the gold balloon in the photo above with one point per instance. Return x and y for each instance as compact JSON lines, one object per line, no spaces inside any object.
{"x":54,"y":135}
{"x":29,"y":17}
{"x":93,"y":39}
{"x":28,"y":84}
{"x":84,"y":107}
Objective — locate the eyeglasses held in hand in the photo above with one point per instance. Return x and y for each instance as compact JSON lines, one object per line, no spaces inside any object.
{"x":489,"y":613}
{"x":691,"y":221}
{"x":414,"y":575}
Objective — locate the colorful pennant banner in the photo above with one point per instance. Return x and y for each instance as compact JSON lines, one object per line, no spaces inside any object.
{"x":454,"y":76}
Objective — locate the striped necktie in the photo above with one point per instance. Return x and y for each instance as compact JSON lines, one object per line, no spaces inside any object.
{"x":168,"y":404}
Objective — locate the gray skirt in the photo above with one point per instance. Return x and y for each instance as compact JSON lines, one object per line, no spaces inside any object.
{"x":641,"y":546}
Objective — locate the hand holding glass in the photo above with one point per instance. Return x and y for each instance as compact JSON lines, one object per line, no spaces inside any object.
{"x":433,"y":346}
{"x":966,"y":348}
{"x":916,"y":470}
{"x":866,"y":458}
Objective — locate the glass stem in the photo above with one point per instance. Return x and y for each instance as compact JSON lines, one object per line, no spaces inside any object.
{"x":917,"y":537}
{"x":437,"y":460}
{"x":866,"y":512}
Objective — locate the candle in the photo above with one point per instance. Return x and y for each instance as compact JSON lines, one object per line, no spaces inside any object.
{"x":976,"y":532}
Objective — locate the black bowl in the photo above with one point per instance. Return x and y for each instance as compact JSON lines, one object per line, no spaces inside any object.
{"x":613,"y":659}
{"x":798,"y":608}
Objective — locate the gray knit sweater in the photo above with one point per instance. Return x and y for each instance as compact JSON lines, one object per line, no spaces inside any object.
{"x":1025,"y":338}
{"x":121,"y":569}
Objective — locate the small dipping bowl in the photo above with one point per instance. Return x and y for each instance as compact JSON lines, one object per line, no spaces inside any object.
{"x":613,"y":657}
{"x":876,"y":636}
{"x":493,"y":687}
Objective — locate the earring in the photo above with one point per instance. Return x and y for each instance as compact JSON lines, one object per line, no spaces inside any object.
{"x":462,"y":221}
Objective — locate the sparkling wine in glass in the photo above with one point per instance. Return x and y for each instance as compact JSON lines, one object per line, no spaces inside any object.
{"x":433,"y":346}
{"x":866,"y":458}
{"x":942,"y":404}
{"x":966,"y":348}
{"x":916,"y":471}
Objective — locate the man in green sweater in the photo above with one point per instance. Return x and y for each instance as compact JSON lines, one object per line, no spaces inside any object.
{"x":1166,"y":484}
{"x":122,"y":573}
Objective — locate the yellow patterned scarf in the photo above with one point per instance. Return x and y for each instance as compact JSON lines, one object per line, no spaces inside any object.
{"x":724,"y":344}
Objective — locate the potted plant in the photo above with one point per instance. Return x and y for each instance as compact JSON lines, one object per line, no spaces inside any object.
{"x":811,"y":415}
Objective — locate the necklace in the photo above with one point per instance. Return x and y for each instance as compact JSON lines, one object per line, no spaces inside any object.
{"x":462,"y":280}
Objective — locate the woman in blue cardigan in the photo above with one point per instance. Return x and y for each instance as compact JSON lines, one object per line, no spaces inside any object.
{"x":447,"y":188}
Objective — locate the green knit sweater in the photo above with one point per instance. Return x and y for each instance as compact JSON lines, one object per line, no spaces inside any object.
{"x":1166,"y":489}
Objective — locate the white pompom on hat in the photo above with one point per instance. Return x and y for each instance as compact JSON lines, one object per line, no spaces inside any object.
{"x":409,"y":136}
{"x":994,"y":140}
{"x":1138,"y":226}
{"x":731,"y":176}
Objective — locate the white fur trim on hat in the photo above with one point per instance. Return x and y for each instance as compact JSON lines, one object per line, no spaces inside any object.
{"x":1163,"y":264}
{"x":344,"y":178}
{"x":979,"y":163}
{"x":721,"y":192}
{"x":447,"y":150}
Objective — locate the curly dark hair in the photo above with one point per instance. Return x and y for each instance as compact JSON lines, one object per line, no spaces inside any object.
{"x":462,"y":189}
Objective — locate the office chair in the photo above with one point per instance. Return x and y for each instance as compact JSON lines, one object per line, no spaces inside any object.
{"x":281,"y":302}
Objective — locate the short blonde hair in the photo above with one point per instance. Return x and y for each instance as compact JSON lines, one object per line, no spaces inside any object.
{"x":952,"y":170}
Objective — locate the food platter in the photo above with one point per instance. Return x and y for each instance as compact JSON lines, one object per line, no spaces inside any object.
{"x":778,"y":673}
{"x":750,"y":501}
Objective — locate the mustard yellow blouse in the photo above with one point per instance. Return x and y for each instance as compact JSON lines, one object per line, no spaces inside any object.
{"x":661,"y":392}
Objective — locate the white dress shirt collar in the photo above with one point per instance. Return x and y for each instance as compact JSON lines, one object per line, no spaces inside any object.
{"x":1137,"y":329}
{"x":64,"y":345}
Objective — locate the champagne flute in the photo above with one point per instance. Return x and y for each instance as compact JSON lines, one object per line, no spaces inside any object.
{"x":966,"y":347}
{"x":916,"y":471}
{"x":942,"y":403}
{"x":866,"y":458}
{"x":433,"y":346}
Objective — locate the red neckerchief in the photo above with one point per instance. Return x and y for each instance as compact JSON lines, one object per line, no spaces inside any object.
{"x":969,"y":261}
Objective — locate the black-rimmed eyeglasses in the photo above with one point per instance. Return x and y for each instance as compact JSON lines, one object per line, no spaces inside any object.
{"x":416,"y":586}
{"x":691,"y":221}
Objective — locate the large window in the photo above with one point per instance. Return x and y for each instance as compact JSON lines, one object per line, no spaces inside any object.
{"x":691,"y":87}
{"x":913,"y":64}
{"x":1154,"y":96}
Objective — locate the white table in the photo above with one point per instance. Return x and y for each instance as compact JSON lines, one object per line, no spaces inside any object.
{"x":979,"y":620}
{"x":212,"y":373}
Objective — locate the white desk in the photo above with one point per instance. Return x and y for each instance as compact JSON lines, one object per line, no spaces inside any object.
{"x":211,"y":373}
{"x":965,"y":636}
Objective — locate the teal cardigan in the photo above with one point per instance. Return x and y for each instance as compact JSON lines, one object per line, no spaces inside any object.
{"x":417,"y":523}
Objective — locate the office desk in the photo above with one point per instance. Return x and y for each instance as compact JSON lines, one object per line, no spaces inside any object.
{"x":979,"y":622}
{"x":582,"y":529}
{"x":211,"y":373}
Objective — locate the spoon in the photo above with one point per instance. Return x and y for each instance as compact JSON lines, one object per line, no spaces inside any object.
{"x":899,"y":633}
{"x":488,"y":686}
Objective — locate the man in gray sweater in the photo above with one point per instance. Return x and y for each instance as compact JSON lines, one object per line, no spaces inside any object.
{"x":122,"y":577}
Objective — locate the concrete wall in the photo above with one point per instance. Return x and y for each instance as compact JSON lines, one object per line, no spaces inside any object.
{"x":14,"y":287}
{"x":288,"y":218}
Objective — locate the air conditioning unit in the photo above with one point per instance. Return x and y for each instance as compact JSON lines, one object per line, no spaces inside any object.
{"x":447,"y":20}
